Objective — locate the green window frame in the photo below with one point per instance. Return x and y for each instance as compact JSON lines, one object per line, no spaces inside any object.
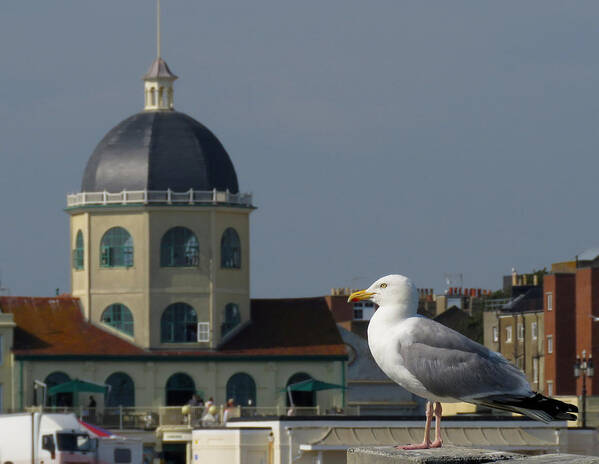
{"x":242,"y":388}
{"x":179,"y":247}
{"x":119,"y":317}
{"x":230,"y":249}
{"x":116,"y":248}
{"x":121,"y":392}
{"x":232,"y":318}
{"x":180,"y":387}
{"x":78,"y":251}
{"x":179,"y":324}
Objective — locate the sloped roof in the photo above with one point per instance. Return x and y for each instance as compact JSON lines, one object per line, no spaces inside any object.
{"x":56,"y":327}
{"x":531,"y":300}
{"x":159,"y":69}
{"x":289,"y":326}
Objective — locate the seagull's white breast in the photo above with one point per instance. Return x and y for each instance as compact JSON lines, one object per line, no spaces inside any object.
{"x":383,"y":340}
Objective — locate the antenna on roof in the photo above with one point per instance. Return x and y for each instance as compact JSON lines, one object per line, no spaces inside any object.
{"x":157,"y":28}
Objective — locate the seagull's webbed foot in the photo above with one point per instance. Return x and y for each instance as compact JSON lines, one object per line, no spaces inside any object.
{"x":423,"y":445}
{"x":431,"y":410}
{"x":426,"y":442}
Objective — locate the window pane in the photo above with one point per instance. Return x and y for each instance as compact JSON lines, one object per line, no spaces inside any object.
{"x":78,"y":252}
{"x":230,"y":249}
{"x":242,"y":389}
{"x":179,"y":324}
{"x":232,"y":318}
{"x":122,"y":390}
{"x":116,"y":248}
{"x":119,"y":317}
{"x":179,"y":248}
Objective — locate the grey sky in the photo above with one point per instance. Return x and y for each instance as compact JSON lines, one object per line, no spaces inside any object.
{"x":377,"y":137}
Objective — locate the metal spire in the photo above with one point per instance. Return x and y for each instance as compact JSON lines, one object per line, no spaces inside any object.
{"x":157,"y":28}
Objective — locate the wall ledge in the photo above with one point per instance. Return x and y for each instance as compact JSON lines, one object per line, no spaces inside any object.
{"x":456,"y":455}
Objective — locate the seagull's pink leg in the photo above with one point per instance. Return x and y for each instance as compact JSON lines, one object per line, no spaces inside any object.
{"x":426,"y":443}
{"x":438,"y":413}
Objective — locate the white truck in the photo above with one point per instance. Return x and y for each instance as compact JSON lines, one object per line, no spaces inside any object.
{"x":115,"y":450}
{"x":40,"y":438}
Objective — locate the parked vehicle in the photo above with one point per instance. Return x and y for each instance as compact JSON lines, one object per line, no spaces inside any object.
{"x":40,"y":438}
{"x":112,"y":450}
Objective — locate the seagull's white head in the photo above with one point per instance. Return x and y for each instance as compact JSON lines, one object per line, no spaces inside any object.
{"x":391,"y":290}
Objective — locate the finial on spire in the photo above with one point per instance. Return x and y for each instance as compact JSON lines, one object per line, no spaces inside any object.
{"x":157,"y":28}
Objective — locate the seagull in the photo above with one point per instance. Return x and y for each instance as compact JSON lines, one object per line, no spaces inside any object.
{"x":442,"y":365}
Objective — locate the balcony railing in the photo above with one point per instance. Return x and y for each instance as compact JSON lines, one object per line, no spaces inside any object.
{"x":149,"y":418}
{"x":159,"y":197}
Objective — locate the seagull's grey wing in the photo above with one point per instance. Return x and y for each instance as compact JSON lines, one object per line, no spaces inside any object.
{"x":451,"y":365}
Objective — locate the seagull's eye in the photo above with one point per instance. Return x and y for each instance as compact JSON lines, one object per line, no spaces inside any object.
{"x":383,"y":285}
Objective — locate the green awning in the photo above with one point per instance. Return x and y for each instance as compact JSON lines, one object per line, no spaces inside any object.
{"x":312,"y":385}
{"x":77,"y":386}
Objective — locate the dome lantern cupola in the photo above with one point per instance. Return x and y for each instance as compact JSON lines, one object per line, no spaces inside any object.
{"x":158,"y":86}
{"x":158,"y":81}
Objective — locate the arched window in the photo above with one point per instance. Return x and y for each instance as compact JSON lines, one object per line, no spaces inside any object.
{"x":231,"y":320}
{"x":78,"y":251}
{"x":119,"y":316}
{"x":116,"y":248}
{"x":153,"y":95}
{"x":230,"y":250}
{"x":60,"y":399}
{"x":179,"y":389}
{"x":122,"y":390}
{"x":179,"y":324}
{"x":242,"y":388}
{"x":179,"y":248}
{"x":301,"y":398}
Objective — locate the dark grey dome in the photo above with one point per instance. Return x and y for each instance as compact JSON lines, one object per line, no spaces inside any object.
{"x":158,"y":150}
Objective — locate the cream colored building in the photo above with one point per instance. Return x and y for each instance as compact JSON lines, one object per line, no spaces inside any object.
{"x":160,"y":307}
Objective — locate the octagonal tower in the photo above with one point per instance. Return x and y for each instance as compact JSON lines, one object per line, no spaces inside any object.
{"x":160,"y":231}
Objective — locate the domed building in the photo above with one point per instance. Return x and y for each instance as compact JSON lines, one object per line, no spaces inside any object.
{"x":159,"y":231}
{"x":160,"y":306}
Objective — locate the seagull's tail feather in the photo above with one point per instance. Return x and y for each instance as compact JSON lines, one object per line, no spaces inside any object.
{"x":536,"y":407}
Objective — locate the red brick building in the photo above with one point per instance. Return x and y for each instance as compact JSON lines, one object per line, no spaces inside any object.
{"x":571,"y":300}
{"x":587,"y":331}
{"x":559,"y":308}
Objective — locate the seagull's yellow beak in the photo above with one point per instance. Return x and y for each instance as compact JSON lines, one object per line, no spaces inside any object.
{"x":358,"y":296}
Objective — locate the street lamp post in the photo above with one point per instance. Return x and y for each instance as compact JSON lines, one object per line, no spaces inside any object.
{"x":584,"y":367}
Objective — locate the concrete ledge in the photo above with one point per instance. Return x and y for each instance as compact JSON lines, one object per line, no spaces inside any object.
{"x":557,"y":458}
{"x":456,"y":455}
{"x":449,"y":454}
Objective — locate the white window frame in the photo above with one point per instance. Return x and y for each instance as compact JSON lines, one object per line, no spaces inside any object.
{"x":520,"y":331}
{"x":533,"y":330}
{"x":508,"y":334}
{"x":549,"y":301}
{"x":535,"y":370}
{"x":550,"y":388}
{"x":549,"y":344}
{"x":203,"y":331}
{"x":495,"y":334}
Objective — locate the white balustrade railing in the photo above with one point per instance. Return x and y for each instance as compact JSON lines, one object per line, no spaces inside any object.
{"x":165,"y":197}
{"x":149,"y":418}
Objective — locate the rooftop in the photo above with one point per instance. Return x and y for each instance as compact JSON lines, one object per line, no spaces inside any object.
{"x":55,"y":327}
